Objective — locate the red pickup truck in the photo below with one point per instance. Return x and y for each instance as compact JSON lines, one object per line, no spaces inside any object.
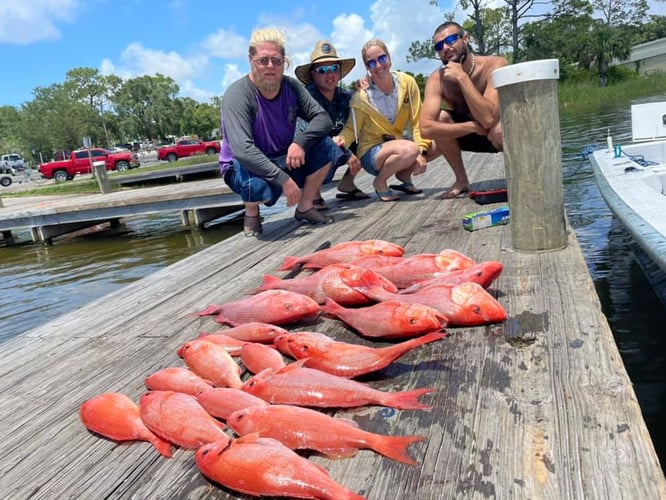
{"x":188,"y":147}
{"x":79,"y":163}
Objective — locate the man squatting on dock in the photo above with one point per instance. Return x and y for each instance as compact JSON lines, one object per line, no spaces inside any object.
{"x":460,"y":109}
{"x":269,"y":157}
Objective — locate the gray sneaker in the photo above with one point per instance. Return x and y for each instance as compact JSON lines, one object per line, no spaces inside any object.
{"x":312,"y":216}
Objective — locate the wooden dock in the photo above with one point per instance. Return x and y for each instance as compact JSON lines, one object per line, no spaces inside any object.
{"x":539,"y":406}
{"x":197,"y":201}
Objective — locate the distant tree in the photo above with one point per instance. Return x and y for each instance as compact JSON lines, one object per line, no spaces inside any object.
{"x":496,"y":32}
{"x":197,"y":118}
{"x":612,"y":35}
{"x":519,"y":11}
{"x":563,"y":35}
{"x":53,"y":121}
{"x":654,"y":29}
{"x":621,"y":12}
{"x":147,"y":103}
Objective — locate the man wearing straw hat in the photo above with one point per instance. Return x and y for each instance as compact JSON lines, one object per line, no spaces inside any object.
{"x":322,"y":76}
{"x":261,"y":156}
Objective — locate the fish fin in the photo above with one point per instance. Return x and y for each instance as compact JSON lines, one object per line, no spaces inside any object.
{"x":223,"y":320}
{"x":331,"y":307}
{"x":269,"y":283}
{"x":395,"y":447}
{"x":408,"y":400}
{"x":162,"y":446}
{"x":338,"y":453}
{"x":299,"y":363}
{"x":289,"y":262}
{"x":211,"y":310}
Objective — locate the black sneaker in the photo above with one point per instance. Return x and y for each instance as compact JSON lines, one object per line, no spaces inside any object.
{"x":312,"y":216}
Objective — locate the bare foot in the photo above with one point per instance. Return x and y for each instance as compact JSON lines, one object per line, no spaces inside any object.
{"x":456,"y":191}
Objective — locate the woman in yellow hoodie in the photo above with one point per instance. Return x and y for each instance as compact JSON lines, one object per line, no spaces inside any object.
{"x":380,"y":116}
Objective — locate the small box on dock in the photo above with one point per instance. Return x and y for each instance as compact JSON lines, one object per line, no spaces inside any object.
{"x":486,"y":218}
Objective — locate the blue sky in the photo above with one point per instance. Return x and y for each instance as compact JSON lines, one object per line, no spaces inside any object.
{"x":201,"y":44}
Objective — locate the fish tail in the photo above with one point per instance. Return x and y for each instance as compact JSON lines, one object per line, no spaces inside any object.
{"x":395,"y":447}
{"x":289,"y":262}
{"x":211,"y":310}
{"x":407,"y":400}
{"x":162,"y":446}
{"x":331,"y":307}
{"x":269,"y":283}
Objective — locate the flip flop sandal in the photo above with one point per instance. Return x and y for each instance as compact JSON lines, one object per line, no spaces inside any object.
{"x":354,"y":194}
{"x":387,"y":196}
{"x":406,"y":187}
{"x":252,"y":226}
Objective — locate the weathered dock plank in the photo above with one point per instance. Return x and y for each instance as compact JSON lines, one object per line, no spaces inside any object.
{"x":539,"y":406}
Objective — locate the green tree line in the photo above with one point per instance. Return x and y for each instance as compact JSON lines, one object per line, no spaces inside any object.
{"x":106,"y":109}
{"x":584,"y":35}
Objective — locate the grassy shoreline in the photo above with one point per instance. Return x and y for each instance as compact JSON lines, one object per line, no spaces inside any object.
{"x":587,"y":94}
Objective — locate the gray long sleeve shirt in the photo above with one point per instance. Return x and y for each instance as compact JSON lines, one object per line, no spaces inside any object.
{"x":257,"y":129}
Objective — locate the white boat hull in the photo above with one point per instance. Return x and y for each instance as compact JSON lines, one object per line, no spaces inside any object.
{"x":637,"y":194}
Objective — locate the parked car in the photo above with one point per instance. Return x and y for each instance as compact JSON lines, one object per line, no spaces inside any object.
{"x":11,"y":163}
{"x":187,"y":147}
{"x":79,"y":163}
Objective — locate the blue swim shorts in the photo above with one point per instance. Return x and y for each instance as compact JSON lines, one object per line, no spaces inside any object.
{"x":369,"y":159}
{"x":255,"y":189}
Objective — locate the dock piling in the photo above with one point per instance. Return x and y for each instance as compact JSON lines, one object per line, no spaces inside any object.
{"x":532,"y":154}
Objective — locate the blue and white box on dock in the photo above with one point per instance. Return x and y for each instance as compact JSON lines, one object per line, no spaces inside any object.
{"x":486,"y":218}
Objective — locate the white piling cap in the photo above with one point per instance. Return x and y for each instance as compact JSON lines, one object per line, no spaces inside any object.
{"x":545,"y":69}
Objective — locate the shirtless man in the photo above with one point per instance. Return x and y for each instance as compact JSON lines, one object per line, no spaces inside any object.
{"x":461,"y":107}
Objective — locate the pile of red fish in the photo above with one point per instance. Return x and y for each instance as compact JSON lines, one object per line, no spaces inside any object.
{"x":371,"y":287}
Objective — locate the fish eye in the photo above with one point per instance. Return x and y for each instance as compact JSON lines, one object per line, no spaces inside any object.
{"x":412,"y":321}
{"x":289,"y":307}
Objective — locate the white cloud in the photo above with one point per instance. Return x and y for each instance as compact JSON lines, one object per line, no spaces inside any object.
{"x":23,"y":23}
{"x":225,"y":44}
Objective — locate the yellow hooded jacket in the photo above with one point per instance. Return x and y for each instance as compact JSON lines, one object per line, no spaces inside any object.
{"x":366,"y":125}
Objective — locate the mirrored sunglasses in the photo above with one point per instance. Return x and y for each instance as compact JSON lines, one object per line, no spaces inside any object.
{"x":331,"y":68}
{"x":263,"y":61}
{"x":449,"y":40}
{"x":372,"y":63}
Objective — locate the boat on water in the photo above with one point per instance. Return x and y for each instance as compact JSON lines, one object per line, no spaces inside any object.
{"x":632,"y":179}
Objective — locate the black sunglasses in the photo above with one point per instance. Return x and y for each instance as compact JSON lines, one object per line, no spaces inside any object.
{"x":372,"y":63}
{"x":449,"y":40}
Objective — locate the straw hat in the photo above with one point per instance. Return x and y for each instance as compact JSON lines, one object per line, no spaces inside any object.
{"x":322,"y":53}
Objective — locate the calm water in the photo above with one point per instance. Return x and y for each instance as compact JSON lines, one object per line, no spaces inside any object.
{"x":39,"y":283}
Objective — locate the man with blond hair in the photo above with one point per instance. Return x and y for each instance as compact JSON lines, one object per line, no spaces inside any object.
{"x":262,"y":155}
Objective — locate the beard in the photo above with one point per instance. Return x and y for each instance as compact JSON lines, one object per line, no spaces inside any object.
{"x":459,"y":57}
{"x":268,"y":87}
{"x":265,"y":86}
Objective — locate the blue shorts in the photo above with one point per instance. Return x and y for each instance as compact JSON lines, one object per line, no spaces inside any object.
{"x":345,"y":155}
{"x":369,"y":159}
{"x":255,"y":189}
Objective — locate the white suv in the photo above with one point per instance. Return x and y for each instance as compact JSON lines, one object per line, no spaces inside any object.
{"x":11,"y":163}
